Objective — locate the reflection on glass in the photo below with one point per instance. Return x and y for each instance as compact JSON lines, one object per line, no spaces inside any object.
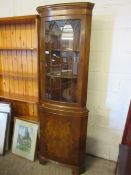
{"x":55,"y":89}
{"x":62,"y":43}
{"x":48,"y":87}
{"x":55,"y":63}
{"x":67,"y":33}
{"x":68,"y":91}
{"x":70,"y":63}
{"x":67,"y":37}
{"x":47,"y":57}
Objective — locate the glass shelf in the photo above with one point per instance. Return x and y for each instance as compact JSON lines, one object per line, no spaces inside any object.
{"x":61,"y":76}
{"x":61,"y":50}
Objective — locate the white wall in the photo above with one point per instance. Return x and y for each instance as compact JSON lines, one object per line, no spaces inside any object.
{"x":109,"y":87}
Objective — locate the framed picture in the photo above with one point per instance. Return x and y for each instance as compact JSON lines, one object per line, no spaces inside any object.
{"x":25,"y":138}
{"x":6,"y":108}
{"x":3,"y":126}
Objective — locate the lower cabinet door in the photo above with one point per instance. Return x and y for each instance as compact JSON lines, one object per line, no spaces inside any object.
{"x":62,"y":138}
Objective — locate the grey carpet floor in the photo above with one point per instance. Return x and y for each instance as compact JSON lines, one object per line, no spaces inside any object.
{"x":11,"y":164}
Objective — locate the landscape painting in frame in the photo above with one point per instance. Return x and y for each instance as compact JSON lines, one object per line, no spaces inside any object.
{"x":25,"y":138}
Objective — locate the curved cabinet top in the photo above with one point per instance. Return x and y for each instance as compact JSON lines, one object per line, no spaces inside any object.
{"x":79,"y":8}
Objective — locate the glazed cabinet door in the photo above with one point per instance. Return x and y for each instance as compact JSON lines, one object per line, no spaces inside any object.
{"x":61,"y":70}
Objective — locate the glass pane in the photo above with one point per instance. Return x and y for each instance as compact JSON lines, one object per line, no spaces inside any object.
{"x":48,"y":87}
{"x":55,"y":37}
{"x":76,"y":29}
{"x":67,"y":36}
{"x":55,"y":88}
{"x":62,"y":56}
{"x":48,"y":28}
{"x":55,"y":63}
{"x":69,"y":63}
{"x":47,"y":59}
{"x":68,"y":90}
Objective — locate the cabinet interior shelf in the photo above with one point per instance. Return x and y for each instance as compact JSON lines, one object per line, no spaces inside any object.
{"x":19,"y":75}
{"x":62,"y":50}
{"x":17,"y":48}
{"x":18,"y":97}
{"x":62,"y":76}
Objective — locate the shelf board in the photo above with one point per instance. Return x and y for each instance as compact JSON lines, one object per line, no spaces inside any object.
{"x":63,"y":50}
{"x":30,"y":118}
{"x":18,"y":97}
{"x":62,"y":76}
{"x":19,"y":75}
{"x":17,"y":48}
{"x":19,"y":19}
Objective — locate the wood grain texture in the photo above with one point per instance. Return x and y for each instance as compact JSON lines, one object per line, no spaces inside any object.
{"x":62,"y":132}
{"x":19,"y":62}
{"x":80,"y":8}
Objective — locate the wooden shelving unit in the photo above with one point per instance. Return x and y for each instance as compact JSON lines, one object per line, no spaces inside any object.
{"x":19,"y":64}
{"x":19,"y":97}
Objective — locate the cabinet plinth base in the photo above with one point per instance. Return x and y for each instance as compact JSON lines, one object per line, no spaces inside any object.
{"x":76,"y":170}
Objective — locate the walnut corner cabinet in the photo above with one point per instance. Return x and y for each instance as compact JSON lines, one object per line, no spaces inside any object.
{"x":64,"y":56}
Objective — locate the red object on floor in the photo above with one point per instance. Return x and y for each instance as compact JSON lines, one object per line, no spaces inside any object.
{"x":126,"y":139}
{"x":124,"y":160}
{"x":123,"y":166}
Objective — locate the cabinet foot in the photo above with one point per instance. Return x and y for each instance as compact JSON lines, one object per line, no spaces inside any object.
{"x":75,"y":171}
{"x":42,"y":160}
{"x":78,"y":170}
